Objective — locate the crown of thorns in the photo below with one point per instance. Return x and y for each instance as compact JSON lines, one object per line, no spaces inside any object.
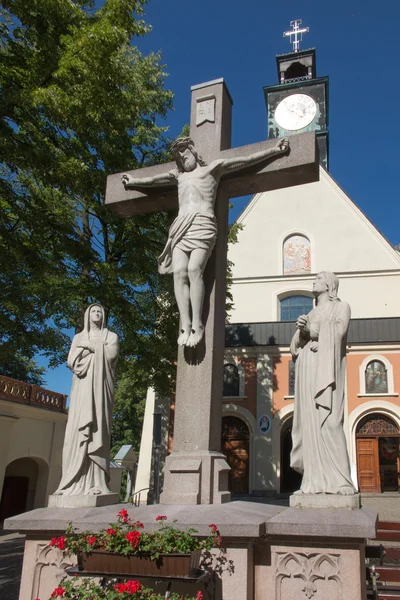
{"x":183,"y":141}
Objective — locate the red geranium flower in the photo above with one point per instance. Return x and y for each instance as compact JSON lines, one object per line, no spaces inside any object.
{"x":61,"y":543}
{"x":111,"y":531}
{"x":58,"y":592}
{"x":133,"y":538}
{"x":58,"y":542}
{"x":213,"y":527}
{"x":219,"y":541}
{"x":199,"y":595}
{"x":161,"y":518}
{"x":131,"y":586}
{"x":123,"y":514}
{"x":91,"y":540}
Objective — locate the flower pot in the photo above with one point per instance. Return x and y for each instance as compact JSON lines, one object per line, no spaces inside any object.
{"x":168,"y":565}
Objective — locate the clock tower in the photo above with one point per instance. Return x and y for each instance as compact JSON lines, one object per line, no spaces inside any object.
{"x":299,"y":102}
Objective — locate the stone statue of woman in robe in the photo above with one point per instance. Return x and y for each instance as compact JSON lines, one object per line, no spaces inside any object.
{"x":86,"y":453}
{"x":319,"y":350}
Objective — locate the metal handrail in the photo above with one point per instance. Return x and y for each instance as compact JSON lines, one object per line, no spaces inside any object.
{"x":135,"y":501}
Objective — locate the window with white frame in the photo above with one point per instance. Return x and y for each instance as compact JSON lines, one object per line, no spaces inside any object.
{"x":292,"y":307}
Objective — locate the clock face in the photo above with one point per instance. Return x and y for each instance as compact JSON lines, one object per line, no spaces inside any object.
{"x":295,"y":112}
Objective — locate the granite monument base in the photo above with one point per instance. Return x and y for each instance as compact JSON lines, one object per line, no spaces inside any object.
{"x":82,"y":501}
{"x":272,"y":553}
{"x":198,"y":478}
{"x":325,"y":501}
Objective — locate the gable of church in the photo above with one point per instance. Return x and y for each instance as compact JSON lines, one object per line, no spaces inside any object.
{"x":326,"y":227}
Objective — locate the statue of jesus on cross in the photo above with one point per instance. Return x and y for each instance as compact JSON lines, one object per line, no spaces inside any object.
{"x":192,"y":235}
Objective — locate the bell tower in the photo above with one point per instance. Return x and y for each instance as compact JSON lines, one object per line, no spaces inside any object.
{"x":300,"y":100}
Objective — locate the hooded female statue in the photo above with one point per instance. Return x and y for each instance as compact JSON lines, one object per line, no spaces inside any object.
{"x":86,"y":453}
{"x":319,"y":348}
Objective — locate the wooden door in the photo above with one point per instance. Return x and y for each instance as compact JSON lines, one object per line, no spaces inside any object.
{"x":237,"y":457}
{"x":368,"y":465}
{"x":235,"y":446}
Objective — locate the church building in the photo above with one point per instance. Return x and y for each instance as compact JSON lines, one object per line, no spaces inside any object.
{"x":301,"y":231}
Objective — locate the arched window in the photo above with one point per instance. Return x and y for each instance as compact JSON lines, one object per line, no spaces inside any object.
{"x":294,"y":306}
{"x":231,"y":380}
{"x":296,"y":255}
{"x":376,"y":381}
{"x":376,"y":424}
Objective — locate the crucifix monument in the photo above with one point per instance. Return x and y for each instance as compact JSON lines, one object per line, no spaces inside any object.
{"x":196,"y":472}
{"x":193,"y":233}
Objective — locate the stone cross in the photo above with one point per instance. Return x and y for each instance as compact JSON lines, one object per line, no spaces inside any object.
{"x":196,"y":472}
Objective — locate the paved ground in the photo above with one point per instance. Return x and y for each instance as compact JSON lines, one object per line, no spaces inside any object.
{"x":12,"y":545}
{"x":11,"y":553}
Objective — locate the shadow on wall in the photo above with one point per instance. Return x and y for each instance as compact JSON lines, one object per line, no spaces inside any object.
{"x":253,"y":462}
{"x":238,"y":335}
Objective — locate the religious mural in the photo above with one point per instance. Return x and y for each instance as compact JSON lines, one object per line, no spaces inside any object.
{"x":376,"y":378}
{"x":296,"y":255}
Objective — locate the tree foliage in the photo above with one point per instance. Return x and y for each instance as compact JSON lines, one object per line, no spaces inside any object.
{"x":77,"y":101}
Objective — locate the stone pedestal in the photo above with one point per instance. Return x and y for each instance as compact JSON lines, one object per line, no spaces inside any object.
{"x":325,"y":501}
{"x":200,"y":478}
{"x":276,"y":553}
{"x":314,"y":553}
{"x":82,"y":501}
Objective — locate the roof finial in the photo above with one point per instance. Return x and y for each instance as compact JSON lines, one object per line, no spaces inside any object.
{"x":297,"y":33}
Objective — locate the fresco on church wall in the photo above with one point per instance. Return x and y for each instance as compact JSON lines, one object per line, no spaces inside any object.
{"x":296,"y":255}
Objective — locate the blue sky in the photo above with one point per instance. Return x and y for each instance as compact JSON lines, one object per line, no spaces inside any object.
{"x":357,"y":46}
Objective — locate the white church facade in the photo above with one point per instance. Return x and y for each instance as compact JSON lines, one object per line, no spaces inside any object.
{"x":300,"y":232}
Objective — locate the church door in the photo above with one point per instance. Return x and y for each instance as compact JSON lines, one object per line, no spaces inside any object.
{"x":377,"y":440}
{"x":235,"y":446}
{"x":368,"y":465}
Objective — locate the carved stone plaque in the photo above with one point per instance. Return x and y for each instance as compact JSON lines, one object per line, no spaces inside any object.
{"x":308,"y":576}
{"x":205,"y":110}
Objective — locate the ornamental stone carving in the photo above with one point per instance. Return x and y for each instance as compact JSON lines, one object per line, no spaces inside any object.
{"x":49,"y":570}
{"x":307,"y":575}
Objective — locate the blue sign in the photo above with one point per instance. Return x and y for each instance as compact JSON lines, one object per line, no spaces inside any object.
{"x":264,"y":424}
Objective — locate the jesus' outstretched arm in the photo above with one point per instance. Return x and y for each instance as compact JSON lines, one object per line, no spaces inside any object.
{"x":234,"y":164}
{"x":156,"y":180}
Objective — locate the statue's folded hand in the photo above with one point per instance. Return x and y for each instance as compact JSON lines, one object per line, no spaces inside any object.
{"x":87,"y":346}
{"x":303,"y":323}
{"x":314,"y":346}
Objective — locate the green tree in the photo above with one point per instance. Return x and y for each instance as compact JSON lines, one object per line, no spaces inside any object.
{"x":77,"y":101}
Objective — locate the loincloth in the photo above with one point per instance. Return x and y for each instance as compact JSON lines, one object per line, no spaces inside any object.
{"x":188,"y":232}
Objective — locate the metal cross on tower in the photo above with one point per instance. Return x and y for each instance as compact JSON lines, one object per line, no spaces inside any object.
{"x":297,"y":33}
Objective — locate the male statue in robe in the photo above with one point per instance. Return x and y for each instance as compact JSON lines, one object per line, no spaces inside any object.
{"x":86,"y":453}
{"x":319,"y":348}
{"x":192,"y":235}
